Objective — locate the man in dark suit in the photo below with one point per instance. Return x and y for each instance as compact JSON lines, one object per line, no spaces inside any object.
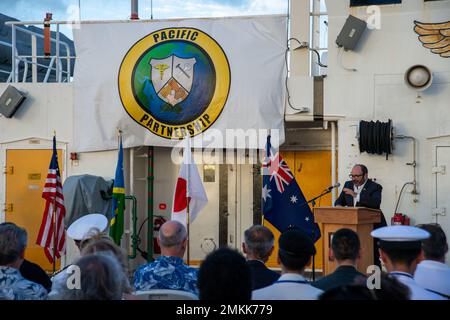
{"x":360,"y":191}
{"x":258,"y":246}
{"x":363,"y":192}
{"x":345,"y":250}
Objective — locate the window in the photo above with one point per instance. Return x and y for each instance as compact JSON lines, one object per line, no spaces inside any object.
{"x":356,"y":3}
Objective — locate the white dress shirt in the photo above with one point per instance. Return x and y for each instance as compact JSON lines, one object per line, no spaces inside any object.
{"x":290,"y":286}
{"x":357,"y":190}
{"x":417,"y":292}
{"x":434,"y":276}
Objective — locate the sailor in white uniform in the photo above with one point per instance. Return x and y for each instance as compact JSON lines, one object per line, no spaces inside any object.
{"x":400,"y":251}
{"x":79,"y":230}
{"x":432,"y":273}
{"x":294,"y":254}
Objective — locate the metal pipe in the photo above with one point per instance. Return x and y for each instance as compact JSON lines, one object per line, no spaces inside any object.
{"x":132,"y":171}
{"x":151,"y":9}
{"x":333,"y":161}
{"x":23,"y":59}
{"x":58,"y":76}
{"x":134,"y":236}
{"x":400,"y":195}
{"x":65,"y":44}
{"x":141,"y":20}
{"x":414,"y":163}
{"x":134,"y":10}
{"x":33,"y":59}
{"x":50,"y":65}
{"x":131,"y":184}
{"x":13,"y":54}
{"x":25,"y":71}
{"x":150,"y":180}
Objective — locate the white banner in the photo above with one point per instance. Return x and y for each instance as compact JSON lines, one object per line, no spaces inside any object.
{"x":221,"y":80}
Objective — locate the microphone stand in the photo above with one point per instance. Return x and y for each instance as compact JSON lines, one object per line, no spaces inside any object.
{"x":313,"y":203}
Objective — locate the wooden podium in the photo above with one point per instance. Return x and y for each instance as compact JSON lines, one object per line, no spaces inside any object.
{"x":359,"y":219}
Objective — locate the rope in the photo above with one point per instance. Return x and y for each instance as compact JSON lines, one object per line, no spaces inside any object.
{"x":375,"y":137}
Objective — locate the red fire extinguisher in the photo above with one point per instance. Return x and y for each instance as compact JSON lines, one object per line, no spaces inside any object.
{"x":400,"y":219}
{"x":158,"y":221}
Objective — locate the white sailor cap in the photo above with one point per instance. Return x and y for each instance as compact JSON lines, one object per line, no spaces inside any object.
{"x":400,"y":236}
{"x":81,"y":227}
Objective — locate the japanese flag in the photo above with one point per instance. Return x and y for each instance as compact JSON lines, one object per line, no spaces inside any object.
{"x":188,"y":190}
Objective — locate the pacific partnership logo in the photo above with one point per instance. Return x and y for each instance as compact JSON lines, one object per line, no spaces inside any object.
{"x":175,"y":82}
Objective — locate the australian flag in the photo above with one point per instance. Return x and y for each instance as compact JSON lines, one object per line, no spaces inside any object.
{"x":283,"y":202}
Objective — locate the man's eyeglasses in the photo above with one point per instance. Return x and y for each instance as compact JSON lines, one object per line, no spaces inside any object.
{"x":355,"y":175}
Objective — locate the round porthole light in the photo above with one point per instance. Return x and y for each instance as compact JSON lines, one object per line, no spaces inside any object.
{"x":418,"y":77}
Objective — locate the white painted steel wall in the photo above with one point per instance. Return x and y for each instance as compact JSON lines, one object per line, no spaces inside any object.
{"x":49,"y":107}
{"x":377,"y":92}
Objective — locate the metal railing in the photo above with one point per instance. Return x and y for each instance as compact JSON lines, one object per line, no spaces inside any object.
{"x":56,"y":61}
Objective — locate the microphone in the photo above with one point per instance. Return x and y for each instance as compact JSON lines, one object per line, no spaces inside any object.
{"x":337,"y":185}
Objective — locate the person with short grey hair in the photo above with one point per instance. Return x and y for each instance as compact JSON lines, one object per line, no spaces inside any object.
{"x":174,"y":237}
{"x":13,"y":241}
{"x":100,"y":278}
{"x":169,"y":270}
{"x":258,"y":245}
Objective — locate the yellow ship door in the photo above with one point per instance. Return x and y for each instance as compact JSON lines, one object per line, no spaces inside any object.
{"x":26,"y":171}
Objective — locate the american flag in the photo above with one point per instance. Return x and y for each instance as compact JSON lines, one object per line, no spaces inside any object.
{"x":54,"y":204}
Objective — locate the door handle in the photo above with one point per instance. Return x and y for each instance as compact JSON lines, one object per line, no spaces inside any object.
{"x":8,"y":207}
{"x":8,"y":170}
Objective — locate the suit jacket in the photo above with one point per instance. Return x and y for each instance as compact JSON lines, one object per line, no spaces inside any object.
{"x":261,"y":275}
{"x":370,"y":196}
{"x":342,"y":276}
{"x":35,"y":273}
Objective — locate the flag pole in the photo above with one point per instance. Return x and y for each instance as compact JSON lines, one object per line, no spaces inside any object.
{"x":54,"y":219}
{"x":187,"y":227}
{"x":187,"y":206}
{"x":54,"y":234}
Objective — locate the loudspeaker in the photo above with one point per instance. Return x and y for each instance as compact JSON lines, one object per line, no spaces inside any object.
{"x":351,"y":33}
{"x":10,"y":101}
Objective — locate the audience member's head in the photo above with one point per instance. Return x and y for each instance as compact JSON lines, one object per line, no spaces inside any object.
{"x":172,"y":239}
{"x":345,"y":247}
{"x":400,"y":259}
{"x":86,"y":225}
{"x":390,"y":289}
{"x":258,"y":243}
{"x":436,"y":246}
{"x":224,"y":275}
{"x":93,"y":232}
{"x":13,"y":241}
{"x":295,"y":249}
{"x":101,"y":242}
{"x":101,"y":278}
{"x":400,"y":247}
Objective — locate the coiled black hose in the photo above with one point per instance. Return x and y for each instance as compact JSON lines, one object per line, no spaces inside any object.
{"x":375,"y":137}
